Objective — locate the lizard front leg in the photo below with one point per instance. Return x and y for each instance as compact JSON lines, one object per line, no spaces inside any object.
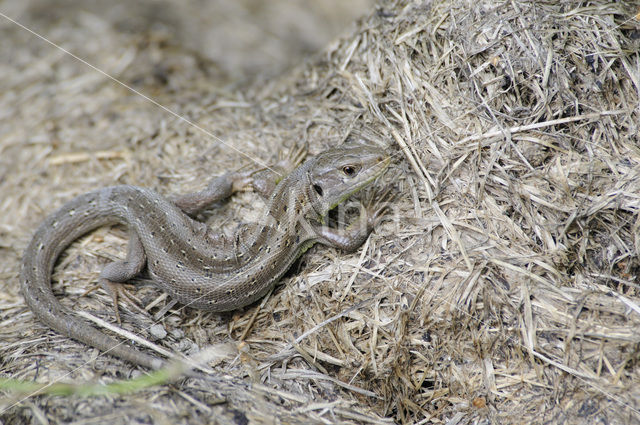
{"x":263,"y":181}
{"x":218,"y":189}
{"x":353,"y":237}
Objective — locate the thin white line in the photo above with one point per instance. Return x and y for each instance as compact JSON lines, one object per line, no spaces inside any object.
{"x":158,"y":105}
{"x":208,"y":133}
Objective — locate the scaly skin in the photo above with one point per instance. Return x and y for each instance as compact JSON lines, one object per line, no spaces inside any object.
{"x":184,"y":257}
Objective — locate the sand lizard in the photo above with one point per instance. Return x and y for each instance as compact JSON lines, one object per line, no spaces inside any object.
{"x":189,"y":261}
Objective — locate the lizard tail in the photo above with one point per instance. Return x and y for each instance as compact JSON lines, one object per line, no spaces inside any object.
{"x":74,"y":219}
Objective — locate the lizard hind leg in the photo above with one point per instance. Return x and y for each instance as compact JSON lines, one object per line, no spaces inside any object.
{"x":115,"y":274}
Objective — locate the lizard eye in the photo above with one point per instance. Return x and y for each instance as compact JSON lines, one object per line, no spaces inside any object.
{"x":349,"y":170}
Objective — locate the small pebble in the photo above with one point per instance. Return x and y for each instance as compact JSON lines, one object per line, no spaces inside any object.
{"x":157,"y":331}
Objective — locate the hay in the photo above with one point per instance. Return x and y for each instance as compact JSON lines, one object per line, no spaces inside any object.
{"x":503,"y":287}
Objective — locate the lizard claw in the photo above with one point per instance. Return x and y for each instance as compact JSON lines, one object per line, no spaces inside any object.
{"x":299,"y":154}
{"x":378,"y":203}
{"x":117,"y":292}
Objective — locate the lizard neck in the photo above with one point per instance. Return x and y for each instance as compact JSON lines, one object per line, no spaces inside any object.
{"x":286,"y":224}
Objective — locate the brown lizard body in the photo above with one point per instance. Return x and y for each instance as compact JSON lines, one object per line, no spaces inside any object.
{"x":184,"y":257}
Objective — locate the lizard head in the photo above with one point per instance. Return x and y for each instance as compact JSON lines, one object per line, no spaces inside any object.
{"x":338,"y":173}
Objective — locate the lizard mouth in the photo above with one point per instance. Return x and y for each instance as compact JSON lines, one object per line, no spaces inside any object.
{"x":376,"y":170}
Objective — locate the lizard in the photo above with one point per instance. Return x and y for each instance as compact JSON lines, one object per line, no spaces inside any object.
{"x":190,"y":261}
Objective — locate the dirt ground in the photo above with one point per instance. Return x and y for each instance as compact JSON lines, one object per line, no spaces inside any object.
{"x":502,"y":288}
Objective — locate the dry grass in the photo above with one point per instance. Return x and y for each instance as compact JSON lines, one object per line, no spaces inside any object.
{"x":503,"y":288}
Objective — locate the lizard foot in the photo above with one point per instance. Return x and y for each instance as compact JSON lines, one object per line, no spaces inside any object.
{"x":378,"y":204}
{"x":118,"y":292}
